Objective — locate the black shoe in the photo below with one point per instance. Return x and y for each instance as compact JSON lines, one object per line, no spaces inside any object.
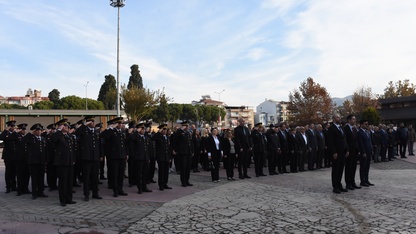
{"x":263,"y":175}
{"x":336,"y":191}
{"x":241,"y":177}
{"x":369,"y":183}
{"x":343,"y":190}
{"x":183,"y":185}
{"x":152,"y":181}
{"x":161,"y":188}
{"x":115,"y":194}
{"x":364,"y":184}
{"x":147,"y":190}
{"x":43,"y":195}
{"x":356,"y":187}
{"x":247,"y":177}
{"x":167,"y":187}
{"x":197,"y":170}
{"x":71,"y":202}
{"x":122,"y":193}
{"x":76,"y":185}
{"x":189,"y":184}
{"x":86,"y":198}
{"x":403,"y":157}
{"x":349,"y":187}
{"x":19,"y":193}
{"x":103,"y":178}
{"x":8,"y":190}
{"x":34,"y":197}
{"x":62,"y":204}
{"x":96,"y":196}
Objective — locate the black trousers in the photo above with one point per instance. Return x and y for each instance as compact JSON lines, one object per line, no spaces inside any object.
{"x":403,"y":145}
{"x":351,"y":168}
{"x":364,"y":168}
{"x":302,"y":159}
{"x":281,"y":161}
{"x":37,"y":174}
{"x":102,"y":165}
{"x":162,"y":173}
{"x":337,"y":171}
{"x":23,"y":176}
{"x":10,"y":173}
{"x":131,"y":171}
{"x":51,"y":175}
{"x":272,"y":157}
{"x":186,"y":164}
{"x":215,"y":172}
{"x":116,"y":174}
{"x":294,"y":157}
{"x":243,"y":162}
{"x":195,"y":160}
{"x":140,"y":173}
{"x":229,"y":165}
{"x":319,"y":158}
{"x":151,"y":169}
{"x":311,"y":159}
{"x":65,"y":184}
{"x":90,"y":177}
{"x":258,"y":163}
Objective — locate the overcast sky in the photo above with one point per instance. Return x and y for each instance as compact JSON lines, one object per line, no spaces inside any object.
{"x":252,"y":49}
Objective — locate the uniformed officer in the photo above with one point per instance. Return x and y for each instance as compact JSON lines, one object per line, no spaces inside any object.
{"x":259,"y":148}
{"x":36,"y":159}
{"x":163,"y":156}
{"x":152,"y":158}
{"x":183,"y":149}
{"x":140,"y":151}
{"x":273,"y":149}
{"x":89,"y":148}
{"x":9,"y":137}
{"x":64,"y":161}
{"x":22,"y":170}
{"x":51,"y":174}
{"x":116,"y":153}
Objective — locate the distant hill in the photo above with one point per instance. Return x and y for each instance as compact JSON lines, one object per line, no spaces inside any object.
{"x":339,"y":101}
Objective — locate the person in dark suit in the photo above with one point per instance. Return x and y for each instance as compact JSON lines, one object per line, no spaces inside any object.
{"x":327,"y":156}
{"x":9,"y":137}
{"x":139,"y":144}
{"x":163,"y":156}
{"x":89,"y":144}
{"x":131,"y":151}
{"x":215,"y":153}
{"x":273,"y":149}
{"x":282,"y":159}
{"x":52,"y":174}
{"x":350,"y":131}
{"x":259,"y":148}
{"x":244,"y":145}
{"x":152,"y":156}
{"x":228,"y":146}
{"x":338,"y":148}
{"x":64,"y":161}
{"x":320,"y":140}
{"x":384,"y":142}
{"x":365,"y":150}
{"x":116,"y":153}
{"x":36,"y":159}
{"x":22,"y":170}
{"x":294,"y":150}
{"x":302,"y":140}
{"x":183,"y":149}
{"x":312,"y":145}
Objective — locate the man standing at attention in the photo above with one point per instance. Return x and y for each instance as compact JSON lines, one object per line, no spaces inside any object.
{"x":350,"y":131}
{"x":183,"y":149}
{"x":244,"y":145}
{"x":338,"y":149}
{"x":365,"y":149}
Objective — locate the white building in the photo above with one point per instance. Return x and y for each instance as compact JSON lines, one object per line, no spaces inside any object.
{"x":272,"y":112}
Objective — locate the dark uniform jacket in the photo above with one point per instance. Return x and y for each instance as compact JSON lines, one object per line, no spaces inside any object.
{"x":20,"y":154}
{"x":273,"y":143}
{"x":336,"y":141}
{"x":259,"y":144}
{"x":115,"y":143}
{"x":351,"y":138}
{"x":64,"y":149}
{"x":36,"y":149}
{"x":9,"y":139}
{"x":242,"y":138}
{"x":88,"y":143}
{"x":162,"y":146}
{"x":183,"y":142}
{"x":139,"y":147}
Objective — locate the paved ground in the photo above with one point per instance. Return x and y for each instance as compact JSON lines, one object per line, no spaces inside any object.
{"x":288,"y":203}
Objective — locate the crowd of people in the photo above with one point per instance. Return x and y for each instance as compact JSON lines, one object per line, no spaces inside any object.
{"x":70,"y":154}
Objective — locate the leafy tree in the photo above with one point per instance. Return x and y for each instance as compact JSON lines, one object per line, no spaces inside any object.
{"x":362,"y":99}
{"x":310,"y":104}
{"x":76,"y":103}
{"x":94,"y":104}
{"x":108,"y":92}
{"x":399,"y":89}
{"x":54,"y":95}
{"x":372,"y":115}
{"x":175,"y":111}
{"x":188,"y":112}
{"x":135,"y":77}
{"x":161,"y":112}
{"x":346,"y":108}
{"x":44,"y":105}
{"x":139,"y":103}
{"x":11,"y":106}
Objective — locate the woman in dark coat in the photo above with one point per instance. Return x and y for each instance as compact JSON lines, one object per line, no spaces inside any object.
{"x":214,"y":151}
{"x":230,"y":155}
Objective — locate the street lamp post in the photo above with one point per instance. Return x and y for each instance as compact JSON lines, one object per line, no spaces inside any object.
{"x":86,"y":95}
{"x":118,"y":4}
{"x":219,"y":94}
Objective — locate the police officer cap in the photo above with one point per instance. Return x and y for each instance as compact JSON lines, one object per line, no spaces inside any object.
{"x":258,"y":124}
{"x":271,"y":126}
{"x":36,"y":126}
{"x":22,"y":126}
{"x":11,"y":123}
{"x":162,"y":126}
{"x":140,"y":125}
{"x":63,"y":121}
{"x":73,"y":126}
{"x":99,"y":125}
{"x":116,"y":120}
{"x":89,"y":118}
{"x":81,"y":121}
{"x":51,"y":126}
{"x":132,"y":124}
{"x":148,"y":124}
{"x":185,"y":123}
